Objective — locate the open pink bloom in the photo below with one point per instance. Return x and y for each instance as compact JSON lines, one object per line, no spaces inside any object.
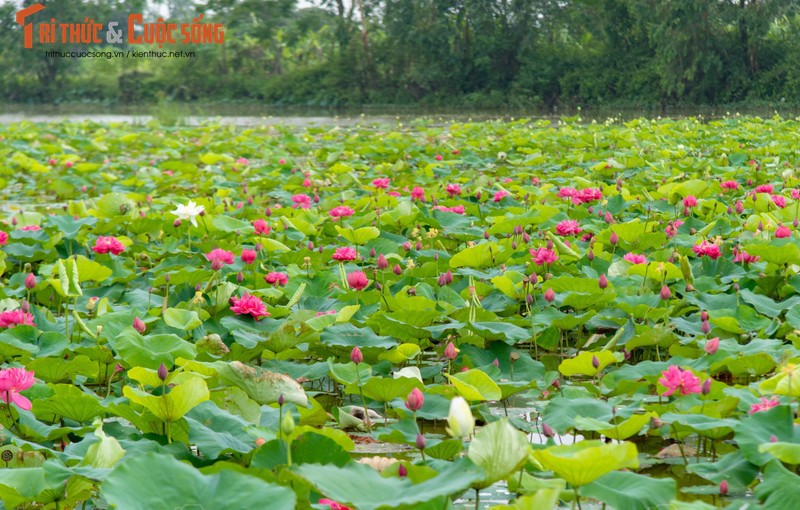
{"x":782,"y":232}
{"x":567,"y":192}
{"x":277,"y":278}
{"x":635,"y":258}
{"x":31,"y":228}
{"x":249,"y":305}
{"x":568,"y":228}
{"x":779,"y":201}
{"x":675,"y":379}
{"x":458,"y":209}
{"x":301,"y":200}
{"x":453,"y":190}
{"x":690,"y":201}
{"x":542,"y":256}
{"x":357,"y":280}
{"x":108,"y":244}
{"x":743,"y":256}
{"x":500,"y":195}
{"x":249,"y":256}
{"x":765,"y":404}
{"x":344,"y":254}
{"x":795,"y":193}
{"x":340,"y":211}
{"x":12,"y":381}
{"x":764,"y":188}
{"x":587,"y":195}
{"x":3,"y":238}
{"x":418,"y":194}
{"x":15,"y":318}
{"x":221,"y":255}
{"x":242,"y":161}
{"x":730,"y":185}
{"x":333,"y":504}
{"x":261,"y":227}
{"x":706,"y":249}
{"x":381,"y":183}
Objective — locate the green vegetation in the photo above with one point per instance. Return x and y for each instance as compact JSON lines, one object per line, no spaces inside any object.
{"x":478,"y":53}
{"x":212,"y":316}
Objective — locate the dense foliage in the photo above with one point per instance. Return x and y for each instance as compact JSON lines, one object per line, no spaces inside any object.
{"x":225,"y":317}
{"x":479,"y":53}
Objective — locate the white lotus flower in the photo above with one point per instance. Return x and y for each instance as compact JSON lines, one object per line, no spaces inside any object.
{"x":189,"y":212}
{"x":460,"y":421}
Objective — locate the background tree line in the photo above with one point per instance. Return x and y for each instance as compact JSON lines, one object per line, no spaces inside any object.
{"x":480,"y":53}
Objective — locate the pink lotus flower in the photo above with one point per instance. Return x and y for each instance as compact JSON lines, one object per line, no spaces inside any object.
{"x":453,"y":190}
{"x":457,"y":209}
{"x":345,"y":254}
{"x":341,"y":211}
{"x":690,"y":201}
{"x":782,"y":232}
{"x":357,"y":280}
{"x":3,"y":238}
{"x":587,"y":195}
{"x":764,"y":405}
{"x":108,"y":244}
{"x":730,"y":185}
{"x":779,"y":201}
{"x":223,"y":256}
{"x":675,"y":379}
{"x":381,"y":183}
{"x":12,"y":381}
{"x":743,"y":256}
{"x":31,"y":228}
{"x":418,"y":194}
{"x":500,"y":195}
{"x":567,"y":192}
{"x":249,"y":305}
{"x":333,"y":504}
{"x":248,"y":256}
{"x":764,"y":188}
{"x":277,"y":278}
{"x":307,"y":183}
{"x":415,"y":400}
{"x":242,"y":161}
{"x":261,"y":227}
{"x":15,"y":318}
{"x":550,"y":295}
{"x":329,"y":312}
{"x":706,"y":249}
{"x":450,"y":352}
{"x":635,"y":258}
{"x":394,"y":193}
{"x":542,"y":256}
{"x":795,"y":193}
{"x":711,"y":346}
{"x":301,"y":200}
{"x":568,"y":228}
{"x":139,"y":325}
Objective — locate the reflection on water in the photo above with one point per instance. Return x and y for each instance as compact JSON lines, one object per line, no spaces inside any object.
{"x":260,"y":114}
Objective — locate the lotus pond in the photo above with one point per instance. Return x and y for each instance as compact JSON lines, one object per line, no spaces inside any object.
{"x":401,"y":316}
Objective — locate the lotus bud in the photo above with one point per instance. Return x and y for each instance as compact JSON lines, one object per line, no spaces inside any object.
{"x":704,"y":316}
{"x":162,"y":372}
{"x":415,"y":400}
{"x":397,"y":269}
{"x":550,"y":295}
{"x":529,"y":299}
{"x":118,"y":369}
{"x":602,"y":282}
{"x":548,"y":431}
{"x":460,"y":421}
{"x":450,"y":352}
{"x":496,"y":363}
{"x":706,"y":388}
{"x":723,"y":488}
{"x":608,"y":218}
{"x":420,"y":442}
{"x":614,"y":239}
{"x":705,"y":327}
{"x":739,"y":207}
{"x":486,"y":234}
{"x":595,"y":362}
{"x":402,"y":472}
{"x":30,"y":281}
{"x":281,"y":400}
{"x":711,"y":346}
{"x":139,"y":325}
{"x":590,"y":257}
{"x":665,"y":293}
{"x":372,"y":252}
{"x":356,"y":356}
